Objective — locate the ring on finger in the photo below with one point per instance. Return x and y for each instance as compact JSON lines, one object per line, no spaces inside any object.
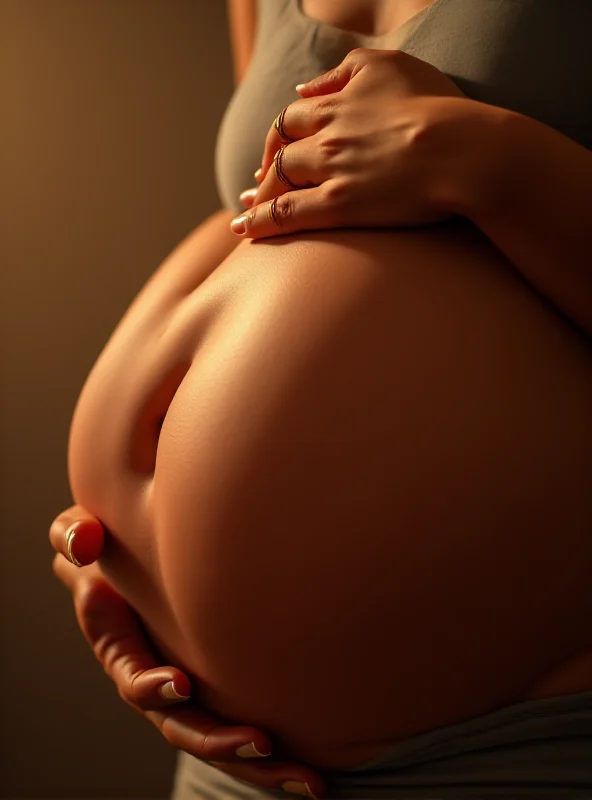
{"x":278,"y":124}
{"x":273,"y":212}
{"x":279,"y":169}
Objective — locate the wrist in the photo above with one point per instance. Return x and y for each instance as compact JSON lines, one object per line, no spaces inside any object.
{"x":475,"y":158}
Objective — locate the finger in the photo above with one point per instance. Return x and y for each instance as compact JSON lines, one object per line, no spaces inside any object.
{"x":248,"y":196}
{"x":292,"y":778}
{"x":271,"y":185}
{"x":112,"y":630}
{"x":190,"y":729}
{"x":66,"y":572}
{"x":307,"y":209}
{"x":78,"y":535}
{"x":336,"y":79}
{"x":197,"y":733}
{"x":294,"y":168}
{"x":299,"y":120}
{"x":115,"y":634}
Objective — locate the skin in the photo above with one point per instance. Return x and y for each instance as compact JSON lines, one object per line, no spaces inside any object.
{"x":364,"y":16}
{"x":329,"y":299}
{"x":138,"y":674}
{"x":127,"y":656}
{"x":396,"y":109}
{"x":113,"y":630}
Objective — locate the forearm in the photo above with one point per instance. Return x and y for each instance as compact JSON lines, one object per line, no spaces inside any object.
{"x":529,"y":190}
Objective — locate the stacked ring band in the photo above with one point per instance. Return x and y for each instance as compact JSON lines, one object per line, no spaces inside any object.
{"x":272,"y":211}
{"x":278,"y":124}
{"x":279,"y":171}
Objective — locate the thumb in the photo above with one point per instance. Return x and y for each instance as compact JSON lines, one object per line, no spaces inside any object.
{"x":78,"y":535}
{"x":336,"y":79}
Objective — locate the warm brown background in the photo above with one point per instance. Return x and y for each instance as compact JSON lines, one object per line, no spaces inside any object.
{"x":108,"y":117}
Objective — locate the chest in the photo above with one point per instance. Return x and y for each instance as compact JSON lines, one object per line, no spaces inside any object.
{"x":367,"y":17}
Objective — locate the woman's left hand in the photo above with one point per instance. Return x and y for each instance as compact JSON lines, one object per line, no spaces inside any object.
{"x":372,"y":140}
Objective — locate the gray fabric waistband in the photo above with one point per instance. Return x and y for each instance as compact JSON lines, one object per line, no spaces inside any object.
{"x":540,"y":750}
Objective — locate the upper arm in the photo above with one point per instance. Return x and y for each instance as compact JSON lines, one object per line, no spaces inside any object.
{"x":242,"y":21}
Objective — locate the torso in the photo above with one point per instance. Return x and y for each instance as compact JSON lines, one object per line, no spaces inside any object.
{"x":367,"y":17}
{"x":367,"y":513}
{"x":369,"y":503}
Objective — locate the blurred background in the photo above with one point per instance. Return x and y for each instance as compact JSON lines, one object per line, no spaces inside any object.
{"x":110,"y":110}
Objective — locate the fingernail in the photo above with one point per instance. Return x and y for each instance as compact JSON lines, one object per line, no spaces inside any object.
{"x":296,"y":787}
{"x":250,"y":751}
{"x":258,"y":173}
{"x":70,"y":538}
{"x":168,"y":691}
{"x":238,"y":225}
{"x":300,"y":86}
{"x":248,"y":194}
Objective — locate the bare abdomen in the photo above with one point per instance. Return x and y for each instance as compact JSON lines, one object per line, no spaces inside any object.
{"x":369,"y":513}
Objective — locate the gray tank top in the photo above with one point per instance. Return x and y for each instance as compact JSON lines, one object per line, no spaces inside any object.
{"x":530,"y":56}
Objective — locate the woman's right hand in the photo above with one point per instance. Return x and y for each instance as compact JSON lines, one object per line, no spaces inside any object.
{"x":116,"y":636}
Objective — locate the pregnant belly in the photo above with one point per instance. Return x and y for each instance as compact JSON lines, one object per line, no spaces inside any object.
{"x":367,"y":511}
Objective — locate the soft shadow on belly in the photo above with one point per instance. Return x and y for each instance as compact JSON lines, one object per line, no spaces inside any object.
{"x":372,"y":488}
{"x":370,"y":510}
